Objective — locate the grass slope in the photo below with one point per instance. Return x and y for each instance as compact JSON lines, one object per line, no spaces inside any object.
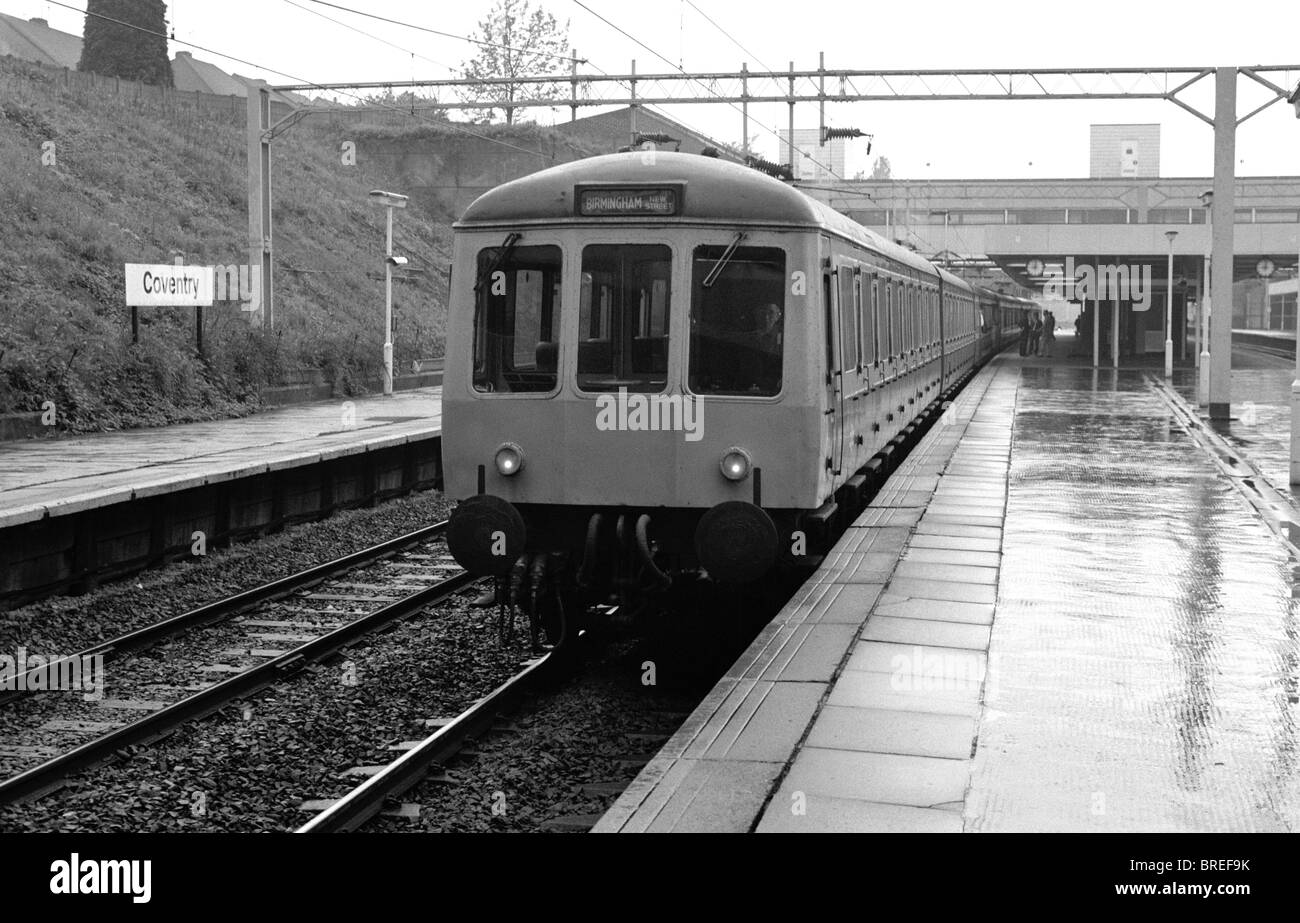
{"x":130,"y":183}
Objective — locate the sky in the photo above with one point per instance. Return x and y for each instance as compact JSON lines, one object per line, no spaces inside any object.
{"x":922,"y":140}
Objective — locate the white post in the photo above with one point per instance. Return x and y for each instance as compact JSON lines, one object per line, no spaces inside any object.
{"x":1114,"y":330}
{"x":388,"y":307}
{"x":1096,"y":323}
{"x":1169,"y":308}
{"x":1196,"y":321}
{"x":1222,"y":230}
{"x":1203,"y":389}
{"x":1203,"y":381}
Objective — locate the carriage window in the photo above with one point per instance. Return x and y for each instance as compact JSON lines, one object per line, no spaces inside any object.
{"x":925,"y":317}
{"x":828,"y":321}
{"x":848,"y":320}
{"x":623,"y":309}
{"x":914,"y":322}
{"x":515,"y":319}
{"x":909,"y":318}
{"x":920,"y":316}
{"x":916,"y":317}
{"x":738,"y":323}
{"x":896,"y":320}
{"x":887,"y":324}
{"x":862,"y":309}
{"x":869,"y":309}
{"x":906,"y":319}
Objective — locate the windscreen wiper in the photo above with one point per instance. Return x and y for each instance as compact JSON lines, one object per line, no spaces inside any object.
{"x":723,"y":260}
{"x":503,"y":254}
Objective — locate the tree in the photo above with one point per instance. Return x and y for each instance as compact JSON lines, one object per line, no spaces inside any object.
{"x":120,"y":51}
{"x":408,"y":100}
{"x":520,"y":40}
{"x":880,"y":169}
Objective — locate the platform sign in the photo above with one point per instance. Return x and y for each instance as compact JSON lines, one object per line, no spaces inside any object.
{"x":164,"y":285}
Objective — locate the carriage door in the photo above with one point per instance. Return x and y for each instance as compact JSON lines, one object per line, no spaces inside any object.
{"x":834,"y":411}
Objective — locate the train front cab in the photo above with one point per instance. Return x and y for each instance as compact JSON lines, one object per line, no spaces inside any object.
{"x":614,"y":337}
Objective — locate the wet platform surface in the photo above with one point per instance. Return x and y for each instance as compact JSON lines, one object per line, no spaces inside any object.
{"x":1064,"y":616}
{"x":1261,"y":411}
{"x":40,"y":477}
{"x":1145,"y":649}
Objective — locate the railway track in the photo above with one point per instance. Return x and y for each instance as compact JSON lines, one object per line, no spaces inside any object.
{"x":369,"y":798}
{"x":240,"y":639}
{"x":549,"y":749}
{"x":1286,"y":351}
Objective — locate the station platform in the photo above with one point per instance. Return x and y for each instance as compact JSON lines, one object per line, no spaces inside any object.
{"x":48,"y":477}
{"x":1064,"y":612}
{"x":76,"y":507}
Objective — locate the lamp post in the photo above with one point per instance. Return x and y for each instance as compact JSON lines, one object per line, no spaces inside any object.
{"x":945,"y":212}
{"x":389,"y":200}
{"x":1294,"y":99}
{"x":1169,"y":308}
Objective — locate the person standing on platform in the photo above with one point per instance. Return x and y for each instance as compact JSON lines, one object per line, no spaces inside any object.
{"x":1024,"y":334}
{"x":1035,"y":331}
{"x":1049,"y":335}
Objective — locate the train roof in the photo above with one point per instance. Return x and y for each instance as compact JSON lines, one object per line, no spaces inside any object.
{"x":715,"y":191}
{"x":986,"y":292}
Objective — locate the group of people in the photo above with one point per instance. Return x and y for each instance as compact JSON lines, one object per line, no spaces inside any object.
{"x":1038,"y":334}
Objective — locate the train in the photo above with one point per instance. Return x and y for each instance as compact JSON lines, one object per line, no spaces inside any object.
{"x":664,"y":367}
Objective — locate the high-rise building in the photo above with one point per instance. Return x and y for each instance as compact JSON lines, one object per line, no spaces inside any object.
{"x":812,"y":160}
{"x":1124,"y":150}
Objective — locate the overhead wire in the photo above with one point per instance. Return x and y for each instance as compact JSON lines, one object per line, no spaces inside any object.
{"x":463,"y":38}
{"x":369,"y":35}
{"x":707,"y":88}
{"x":735,"y":41}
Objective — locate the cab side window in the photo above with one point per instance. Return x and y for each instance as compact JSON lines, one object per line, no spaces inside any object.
{"x":737,"y":339}
{"x":516,"y":312}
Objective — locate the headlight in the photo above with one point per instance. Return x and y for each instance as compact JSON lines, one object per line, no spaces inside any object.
{"x":735,"y":464}
{"x":509,"y":459}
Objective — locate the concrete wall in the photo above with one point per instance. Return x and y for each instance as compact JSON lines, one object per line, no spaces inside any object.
{"x":445,"y":171}
{"x":609,"y":131}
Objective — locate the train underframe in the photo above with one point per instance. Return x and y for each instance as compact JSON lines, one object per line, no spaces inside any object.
{"x":560,"y":563}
